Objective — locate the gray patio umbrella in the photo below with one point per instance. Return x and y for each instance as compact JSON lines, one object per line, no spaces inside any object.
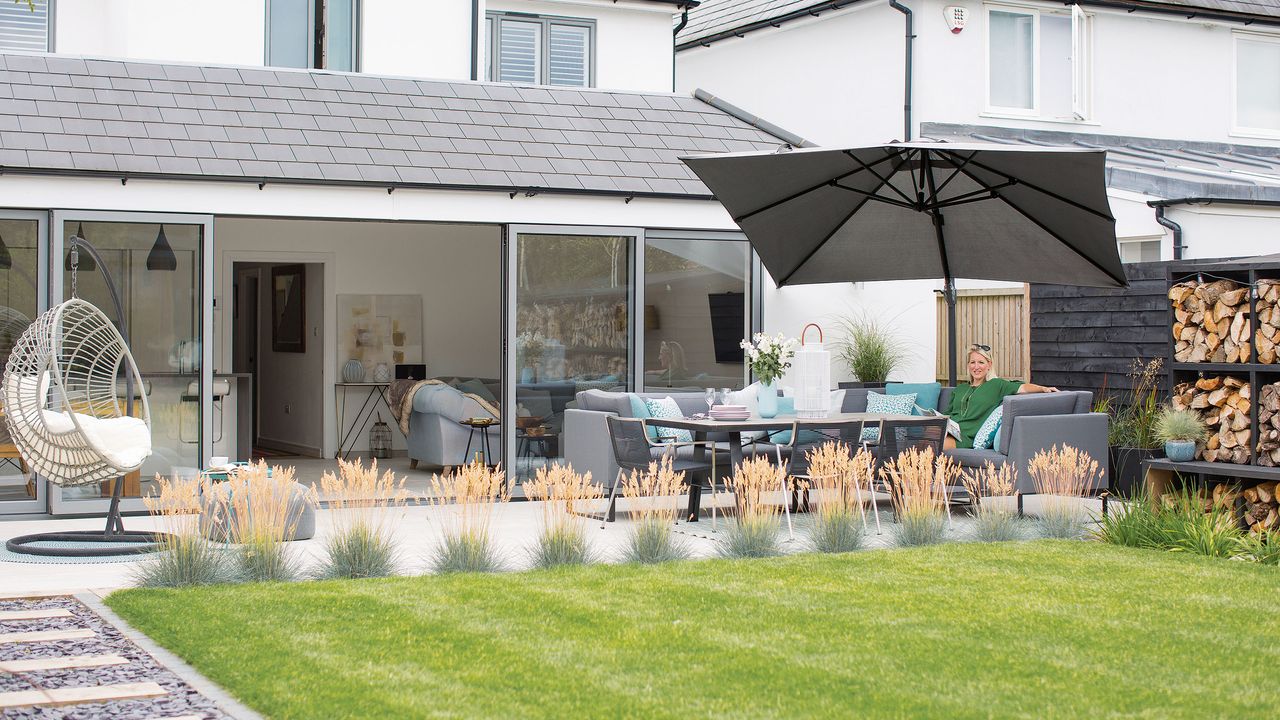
{"x":920,"y":210}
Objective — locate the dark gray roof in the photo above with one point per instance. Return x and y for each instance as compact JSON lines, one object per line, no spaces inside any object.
{"x":1166,"y":169}
{"x":719,"y":19}
{"x":81,"y":116}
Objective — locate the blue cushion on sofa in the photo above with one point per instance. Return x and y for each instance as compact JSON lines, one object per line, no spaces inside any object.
{"x":926,"y":393}
{"x":983,"y":439}
{"x":640,"y":409}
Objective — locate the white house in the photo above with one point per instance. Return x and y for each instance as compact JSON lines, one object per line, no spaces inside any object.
{"x":1184,"y":94}
{"x":282,"y":187}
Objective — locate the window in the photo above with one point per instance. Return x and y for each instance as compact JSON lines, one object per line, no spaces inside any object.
{"x":534,"y":50}
{"x":314,"y":34}
{"x":1037,"y":62}
{"x":1257,"y":84}
{"x":24,"y":27}
{"x":1135,"y":251}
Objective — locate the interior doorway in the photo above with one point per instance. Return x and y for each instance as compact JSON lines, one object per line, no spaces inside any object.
{"x":278,"y":340}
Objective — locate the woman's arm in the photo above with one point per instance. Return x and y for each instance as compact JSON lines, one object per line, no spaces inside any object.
{"x":1028,"y":388}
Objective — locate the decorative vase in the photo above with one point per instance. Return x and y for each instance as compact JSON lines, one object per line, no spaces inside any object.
{"x":352,"y":371}
{"x":382,"y":373}
{"x":767,"y":399}
{"x":1180,"y":450}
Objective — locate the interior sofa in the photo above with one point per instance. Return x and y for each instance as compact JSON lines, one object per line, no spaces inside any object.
{"x":436,"y":439}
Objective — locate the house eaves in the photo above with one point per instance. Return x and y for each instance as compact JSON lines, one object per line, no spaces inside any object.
{"x":64,"y":115}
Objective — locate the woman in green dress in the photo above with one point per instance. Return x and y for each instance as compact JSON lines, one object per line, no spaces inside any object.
{"x":973,"y":401}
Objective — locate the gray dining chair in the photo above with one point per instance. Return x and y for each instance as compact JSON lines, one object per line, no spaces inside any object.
{"x":797,"y":451}
{"x":632,"y":450}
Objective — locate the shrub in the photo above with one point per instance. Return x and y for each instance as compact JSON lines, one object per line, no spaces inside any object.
{"x":183,"y":557}
{"x":467,"y":500}
{"x":919,"y":481}
{"x":262,"y":509}
{"x":654,"y":498}
{"x":993,"y":522}
{"x":564,"y":493}
{"x":1137,"y":523}
{"x":754,"y":533}
{"x":1133,"y":414}
{"x":869,"y":348}
{"x":835,"y":488}
{"x":1261,"y":547}
{"x":1189,"y":524}
{"x":1062,"y":478}
{"x":360,"y":504}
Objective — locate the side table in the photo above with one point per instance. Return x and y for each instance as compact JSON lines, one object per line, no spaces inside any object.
{"x":482,"y":426}
{"x":348,"y":435}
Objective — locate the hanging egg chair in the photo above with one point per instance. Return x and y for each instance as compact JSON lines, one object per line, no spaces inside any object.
{"x":74,"y":410}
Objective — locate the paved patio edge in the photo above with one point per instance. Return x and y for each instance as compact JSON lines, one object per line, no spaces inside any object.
{"x":173,"y":663}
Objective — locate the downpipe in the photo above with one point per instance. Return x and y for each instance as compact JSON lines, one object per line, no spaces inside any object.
{"x":910,"y":42}
{"x":1178,"y":247}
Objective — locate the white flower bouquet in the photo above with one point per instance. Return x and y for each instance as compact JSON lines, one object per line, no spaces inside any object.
{"x":769,"y":356}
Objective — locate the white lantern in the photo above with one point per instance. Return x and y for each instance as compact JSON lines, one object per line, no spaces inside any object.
{"x":812,"y":373}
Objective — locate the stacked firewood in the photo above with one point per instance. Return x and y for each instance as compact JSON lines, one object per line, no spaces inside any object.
{"x":1211,"y":322}
{"x":1223,"y":404}
{"x":1267,"y":337}
{"x":1257,"y":507}
{"x":1269,"y":425}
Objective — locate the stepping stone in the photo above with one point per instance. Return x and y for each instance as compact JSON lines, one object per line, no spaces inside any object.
{"x":46,"y":636}
{"x":75,"y":696}
{"x":9,"y":615}
{"x":61,"y":663}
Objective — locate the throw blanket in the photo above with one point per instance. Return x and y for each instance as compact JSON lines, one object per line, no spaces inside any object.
{"x":402,"y":392}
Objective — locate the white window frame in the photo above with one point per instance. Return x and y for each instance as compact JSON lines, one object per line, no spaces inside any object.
{"x":493,"y":22}
{"x":1081,"y":63}
{"x":1236,"y":127}
{"x":357,"y":31}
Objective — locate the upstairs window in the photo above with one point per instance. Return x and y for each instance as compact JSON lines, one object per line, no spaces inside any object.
{"x":25,"y":26}
{"x":314,"y":34}
{"x":1038,"y":62}
{"x":536,"y":50}
{"x":1257,"y":84}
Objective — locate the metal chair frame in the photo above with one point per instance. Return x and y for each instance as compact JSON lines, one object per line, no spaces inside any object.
{"x":668,"y":448}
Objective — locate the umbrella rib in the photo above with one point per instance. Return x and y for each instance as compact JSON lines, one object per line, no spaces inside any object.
{"x":989,"y":192}
{"x":953,"y":175}
{"x":802,"y":193}
{"x":883,"y":180}
{"x":875,"y":196}
{"x":1123,"y":281}
{"x":1037,"y":188}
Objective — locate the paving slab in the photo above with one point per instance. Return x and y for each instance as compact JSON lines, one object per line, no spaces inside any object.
{"x":79,"y":695}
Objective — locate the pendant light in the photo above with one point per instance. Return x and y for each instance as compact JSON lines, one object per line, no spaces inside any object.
{"x":6,"y":260}
{"x":87,"y":263}
{"x":161,"y":256}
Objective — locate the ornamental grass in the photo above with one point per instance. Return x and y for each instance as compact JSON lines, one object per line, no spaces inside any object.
{"x":467,"y":500}
{"x":183,"y":557}
{"x":565,"y":496}
{"x":994,"y":521}
{"x":835,"y":487}
{"x":653,"y":497}
{"x":364,"y":507}
{"x":1062,"y":477}
{"x":262,"y":508}
{"x":919,"y":480}
{"x":754,"y":532}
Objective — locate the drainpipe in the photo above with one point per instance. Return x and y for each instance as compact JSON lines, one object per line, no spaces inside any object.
{"x":475,"y":39}
{"x":1178,"y":247}
{"x":684,"y":20}
{"x":906,"y":106}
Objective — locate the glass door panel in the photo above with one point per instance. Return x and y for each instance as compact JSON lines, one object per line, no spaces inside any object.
{"x":571,"y":309}
{"x":20,"y":287}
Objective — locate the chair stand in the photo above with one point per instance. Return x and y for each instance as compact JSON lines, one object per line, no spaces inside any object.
{"x":114,"y":539}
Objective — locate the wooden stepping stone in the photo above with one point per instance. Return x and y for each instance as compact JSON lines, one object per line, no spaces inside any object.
{"x":61,"y":663}
{"x":46,"y":636}
{"x":8,"y":615}
{"x":75,"y":696}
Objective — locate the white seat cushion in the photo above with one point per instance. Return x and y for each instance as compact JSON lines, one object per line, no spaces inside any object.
{"x":123,"y":441}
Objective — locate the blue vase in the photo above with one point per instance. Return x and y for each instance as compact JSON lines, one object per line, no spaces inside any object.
{"x":767,"y":400}
{"x":1180,"y":450}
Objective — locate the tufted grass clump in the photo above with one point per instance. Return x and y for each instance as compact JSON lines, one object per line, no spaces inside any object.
{"x":653,"y":497}
{"x":362,"y":504}
{"x":994,"y":522}
{"x":836,"y":479}
{"x":262,"y":508}
{"x":754,"y":533}
{"x":467,"y":500}
{"x":1062,"y":478}
{"x":565,"y":495}
{"x":183,"y":556}
{"x":919,"y":481}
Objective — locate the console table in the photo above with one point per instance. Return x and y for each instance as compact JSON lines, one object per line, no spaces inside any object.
{"x":375,"y":395}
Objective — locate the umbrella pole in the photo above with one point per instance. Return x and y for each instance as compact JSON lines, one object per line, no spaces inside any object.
{"x":948,"y":282}
{"x":949,"y":294}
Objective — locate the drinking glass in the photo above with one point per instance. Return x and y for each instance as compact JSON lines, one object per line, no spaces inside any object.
{"x":725,"y":396}
{"x":710,"y":396}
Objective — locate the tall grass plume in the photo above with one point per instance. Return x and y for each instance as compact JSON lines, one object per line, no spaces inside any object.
{"x":754,"y":532}
{"x":919,"y":480}
{"x":1062,"y":477}
{"x":565,"y":496}
{"x":994,"y":521}
{"x":835,"y":489}
{"x":183,"y":556}
{"x":363,"y":505}
{"x":262,"y":508}
{"x":653,"y":497}
{"x":467,"y":500}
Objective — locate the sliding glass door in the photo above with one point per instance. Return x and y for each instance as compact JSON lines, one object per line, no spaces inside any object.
{"x":22,"y":285}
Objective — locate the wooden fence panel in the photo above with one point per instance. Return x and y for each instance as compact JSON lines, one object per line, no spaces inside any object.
{"x":998,"y":317}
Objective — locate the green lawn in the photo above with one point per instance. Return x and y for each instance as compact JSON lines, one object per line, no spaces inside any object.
{"x":1036,"y":630}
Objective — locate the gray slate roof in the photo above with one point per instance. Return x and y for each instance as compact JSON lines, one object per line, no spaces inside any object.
{"x":83,"y":116}
{"x":716,"y":19}
{"x":1166,"y":169}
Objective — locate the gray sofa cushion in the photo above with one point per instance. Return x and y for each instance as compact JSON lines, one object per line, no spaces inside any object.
{"x":1060,"y":403}
{"x":855,"y":400}
{"x":970,"y":458}
{"x":601,"y":401}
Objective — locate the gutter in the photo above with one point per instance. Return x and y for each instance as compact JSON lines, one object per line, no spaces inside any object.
{"x":753,"y":120}
{"x":1178,"y":245}
{"x":741,"y":30}
{"x":910,"y":42}
{"x":1187,"y":12}
{"x":390,"y":187}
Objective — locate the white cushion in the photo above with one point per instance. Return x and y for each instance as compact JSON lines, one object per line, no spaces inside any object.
{"x":124,"y":442}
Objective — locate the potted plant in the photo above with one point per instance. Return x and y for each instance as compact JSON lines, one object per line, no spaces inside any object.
{"x":1180,"y":430}
{"x":1131,"y":431}
{"x":769,"y":358}
{"x":869,"y":348}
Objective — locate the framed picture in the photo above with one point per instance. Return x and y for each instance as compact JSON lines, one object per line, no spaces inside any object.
{"x":289,"y":308}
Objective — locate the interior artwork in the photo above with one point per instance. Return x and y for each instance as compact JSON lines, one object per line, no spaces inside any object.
{"x":289,"y":308}
{"x":379,"y":330}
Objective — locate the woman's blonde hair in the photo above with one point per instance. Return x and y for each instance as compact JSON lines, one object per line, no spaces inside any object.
{"x":987,"y":354}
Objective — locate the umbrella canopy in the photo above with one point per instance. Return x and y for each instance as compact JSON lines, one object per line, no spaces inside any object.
{"x":921,"y":210}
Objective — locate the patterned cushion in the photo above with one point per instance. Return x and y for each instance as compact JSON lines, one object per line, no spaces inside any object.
{"x":668,"y":408}
{"x":987,"y":432}
{"x":889,"y":404}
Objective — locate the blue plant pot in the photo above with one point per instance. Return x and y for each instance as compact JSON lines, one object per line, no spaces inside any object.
{"x":1180,"y":450}
{"x":767,"y":400}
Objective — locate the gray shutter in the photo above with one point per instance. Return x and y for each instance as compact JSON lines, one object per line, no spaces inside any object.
{"x":518,"y":56}
{"x":23,"y":29}
{"x":569,"y":55}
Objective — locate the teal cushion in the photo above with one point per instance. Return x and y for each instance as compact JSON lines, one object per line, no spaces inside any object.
{"x":787,"y":406}
{"x":901,"y":404}
{"x":996,"y":443}
{"x":640,"y":409}
{"x":926,"y":393}
{"x":982,"y":440}
{"x":668,"y":408}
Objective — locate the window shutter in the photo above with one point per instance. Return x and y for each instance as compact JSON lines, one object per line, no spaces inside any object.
{"x":23,"y":29}
{"x":518,"y":52}
{"x":569,"y":53}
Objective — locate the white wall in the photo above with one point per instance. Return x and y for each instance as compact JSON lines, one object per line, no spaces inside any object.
{"x":229,"y":32}
{"x":417,"y":39}
{"x":1211,"y":231}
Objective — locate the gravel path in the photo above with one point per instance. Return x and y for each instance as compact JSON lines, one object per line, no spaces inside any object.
{"x":180,"y":700}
